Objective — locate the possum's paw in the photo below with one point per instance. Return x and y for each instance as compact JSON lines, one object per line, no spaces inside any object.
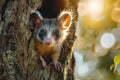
{"x":57,"y":66}
{"x":43,"y":62}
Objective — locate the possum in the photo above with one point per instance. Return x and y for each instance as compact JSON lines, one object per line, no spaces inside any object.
{"x":48,"y":35}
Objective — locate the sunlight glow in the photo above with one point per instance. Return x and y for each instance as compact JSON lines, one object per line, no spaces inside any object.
{"x":82,"y":8}
{"x":107,"y":40}
{"x":95,"y":8}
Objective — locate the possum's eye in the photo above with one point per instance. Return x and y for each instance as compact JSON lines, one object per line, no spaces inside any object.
{"x":43,"y":33}
{"x":56,"y":33}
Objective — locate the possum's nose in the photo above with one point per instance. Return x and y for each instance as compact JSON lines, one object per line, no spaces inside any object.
{"x":48,"y":42}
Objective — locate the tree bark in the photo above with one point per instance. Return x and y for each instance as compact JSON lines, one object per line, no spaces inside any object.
{"x":18,"y":60}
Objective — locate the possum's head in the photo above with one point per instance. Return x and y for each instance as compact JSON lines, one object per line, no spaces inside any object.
{"x":50,"y":31}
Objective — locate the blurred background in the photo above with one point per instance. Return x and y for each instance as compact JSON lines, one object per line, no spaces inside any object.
{"x":97,"y":47}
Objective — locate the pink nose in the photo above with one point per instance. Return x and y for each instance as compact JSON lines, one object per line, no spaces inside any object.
{"x":48,"y":43}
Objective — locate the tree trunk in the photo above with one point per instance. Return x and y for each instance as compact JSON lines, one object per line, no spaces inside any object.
{"x":18,"y":60}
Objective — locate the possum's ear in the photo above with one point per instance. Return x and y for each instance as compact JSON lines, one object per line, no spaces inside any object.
{"x":35,"y":19}
{"x":65,"y":20}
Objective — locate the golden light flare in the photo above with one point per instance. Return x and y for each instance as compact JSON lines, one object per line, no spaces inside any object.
{"x":92,"y":13}
{"x":95,"y":8}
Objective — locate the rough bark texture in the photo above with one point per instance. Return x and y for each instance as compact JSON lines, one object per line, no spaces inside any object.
{"x":18,"y":60}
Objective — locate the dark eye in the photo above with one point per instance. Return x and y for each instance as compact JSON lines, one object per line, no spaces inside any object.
{"x":42,"y":33}
{"x":57,"y":33}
